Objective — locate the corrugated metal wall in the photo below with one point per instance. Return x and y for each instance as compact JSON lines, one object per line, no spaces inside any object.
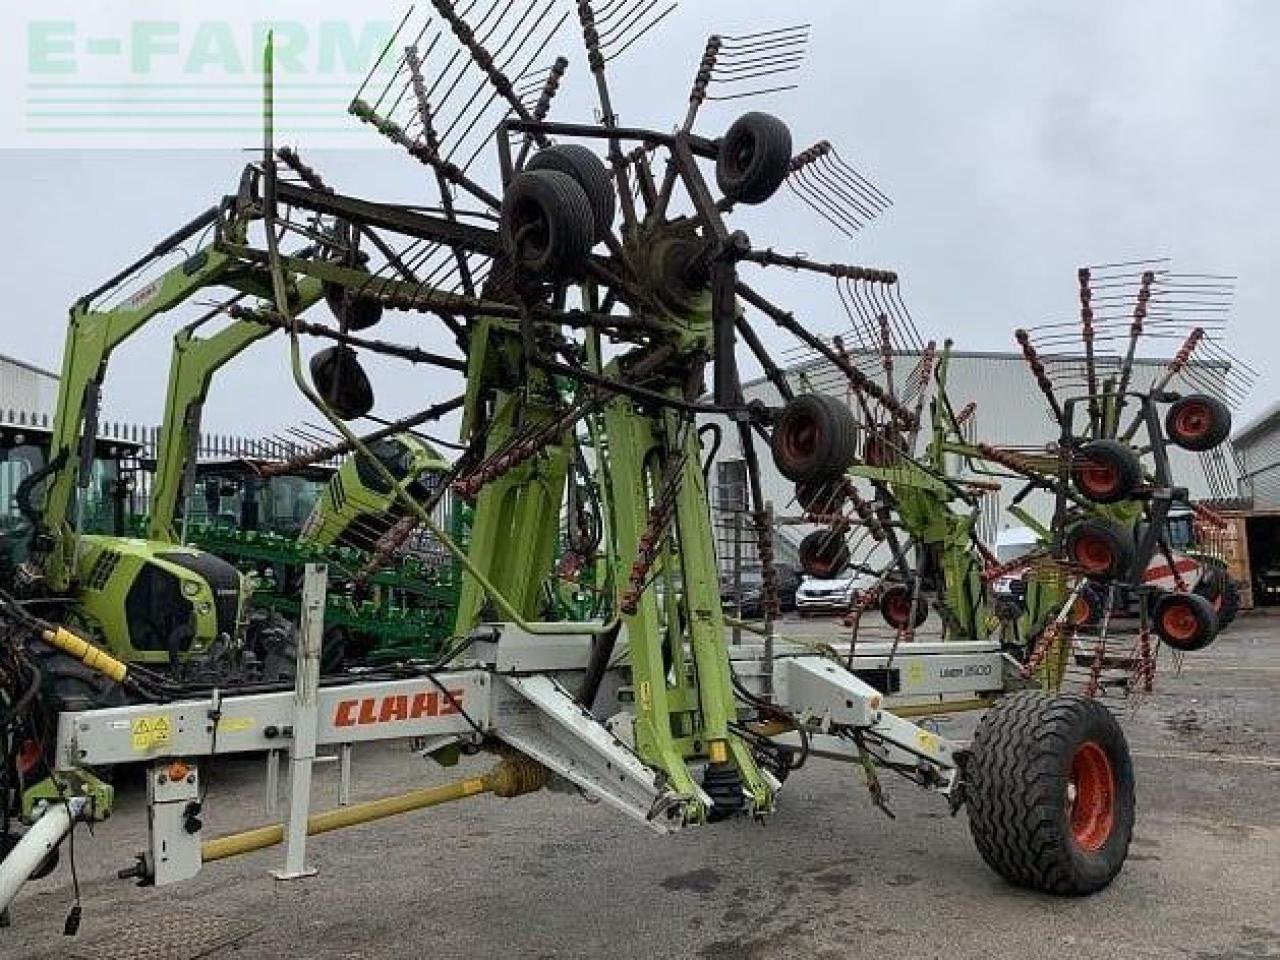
{"x":1261,"y":455}
{"x":26,"y":389}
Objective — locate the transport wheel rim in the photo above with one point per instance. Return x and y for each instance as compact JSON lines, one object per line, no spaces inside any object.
{"x":1091,"y":796}
{"x":1099,"y":478}
{"x":1193,"y":420}
{"x":897,"y":607}
{"x":1094,"y":553}
{"x":800,"y":438}
{"x":1081,"y":611}
{"x":1179,"y":622}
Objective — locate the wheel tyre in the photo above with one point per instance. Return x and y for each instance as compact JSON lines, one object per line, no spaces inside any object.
{"x":547,"y":224}
{"x":895,"y":607}
{"x":1198,"y":422}
{"x":342,"y":382}
{"x":1088,"y":608}
{"x":353,"y":311}
{"x":588,"y":172}
{"x":1049,"y":786}
{"x":1104,"y":550}
{"x":823,"y":554}
{"x":1184,"y":621}
{"x":815,"y":438}
{"x":755,"y":158}
{"x":1106,"y":471}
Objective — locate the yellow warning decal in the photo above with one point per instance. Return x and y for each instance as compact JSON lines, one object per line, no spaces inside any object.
{"x":150,"y":733}
{"x":646,"y":696}
{"x":915,"y":671}
{"x":926,"y":741}
{"x":235,"y":724}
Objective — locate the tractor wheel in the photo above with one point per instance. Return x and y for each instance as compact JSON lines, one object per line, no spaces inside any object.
{"x":1185,"y":621}
{"x":1049,"y":786}
{"x":353,"y":311}
{"x":547,"y":224}
{"x":895,"y":607}
{"x":590,"y":173}
{"x":1198,"y":422}
{"x":70,"y":686}
{"x":1102,"y":549}
{"x":1106,"y":471}
{"x":1087,"y":610}
{"x":821,"y":496}
{"x":815,"y":438}
{"x":342,"y":382}
{"x":755,"y":158}
{"x":824,"y":554}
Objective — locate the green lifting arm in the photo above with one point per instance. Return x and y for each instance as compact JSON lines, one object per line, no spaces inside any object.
{"x":192,"y":367}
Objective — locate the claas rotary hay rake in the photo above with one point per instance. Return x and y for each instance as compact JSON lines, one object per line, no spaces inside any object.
{"x":598,"y":294}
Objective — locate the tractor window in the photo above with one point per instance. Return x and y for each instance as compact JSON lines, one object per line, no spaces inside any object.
{"x":16,"y":465}
{"x":292,"y":499}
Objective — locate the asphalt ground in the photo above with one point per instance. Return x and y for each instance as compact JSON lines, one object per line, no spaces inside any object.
{"x":828,"y":876}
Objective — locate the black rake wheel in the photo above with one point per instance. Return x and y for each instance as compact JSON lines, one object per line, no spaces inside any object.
{"x":548,"y":228}
{"x":815,"y":438}
{"x":1106,"y":471}
{"x":590,"y":173}
{"x":1050,"y":792}
{"x":755,"y":158}
{"x":1198,"y":422}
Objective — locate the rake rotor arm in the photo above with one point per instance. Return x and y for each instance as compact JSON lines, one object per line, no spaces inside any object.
{"x":342,"y":448}
{"x":859,"y":380}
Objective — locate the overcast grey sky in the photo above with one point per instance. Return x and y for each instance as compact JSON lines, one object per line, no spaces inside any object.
{"x":1018,"y":140}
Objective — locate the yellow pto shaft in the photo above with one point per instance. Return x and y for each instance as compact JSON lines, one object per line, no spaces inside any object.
{"x":513,"y":776}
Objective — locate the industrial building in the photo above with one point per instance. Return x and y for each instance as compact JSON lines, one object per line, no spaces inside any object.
{"x":1253,"y":539}
{"x":27,"y":392}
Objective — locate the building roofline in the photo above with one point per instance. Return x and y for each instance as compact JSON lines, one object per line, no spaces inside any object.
{"x":1013,"y":356}
{"x":5,"y":358}
{"x":1257,"y":424}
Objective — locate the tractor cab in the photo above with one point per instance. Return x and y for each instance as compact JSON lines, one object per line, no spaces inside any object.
{"x":107,"y":503}
{"x":234,"y":494}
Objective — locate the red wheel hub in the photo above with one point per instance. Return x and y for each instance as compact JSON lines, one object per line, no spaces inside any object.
{"x":1094,"y":553}
{"x":1099,"y":477}
{"x":1091,"y":796}
{"x":800,"y":438}
{"x":1194,"y":420}
{"x":1178,"y":622}
{"x":897,"y":607}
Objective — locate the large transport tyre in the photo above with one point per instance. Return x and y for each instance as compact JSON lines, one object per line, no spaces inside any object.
{"x":1049,"y":786}
{"x":1103,"y":550}
{"x":1198,"y":422}
{"x":1106,"y":471}
{"x":548,"y":228}
{"x":824,"y":554}
{"x":815,"y":438}
{"x":1184,"y":621}
{"x":895,"y":607}
{"x":590,"y":173}
{"x":755,"y":158}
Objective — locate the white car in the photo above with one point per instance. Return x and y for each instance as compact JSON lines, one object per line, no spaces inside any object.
{"x":817,"y":596}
